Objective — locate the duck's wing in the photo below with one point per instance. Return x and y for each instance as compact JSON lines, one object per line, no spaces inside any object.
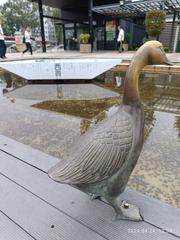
{"x":102,"y":153}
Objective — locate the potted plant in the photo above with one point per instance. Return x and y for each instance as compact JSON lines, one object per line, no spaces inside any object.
{"x":127,"y":37}
{"x":85,"y":46}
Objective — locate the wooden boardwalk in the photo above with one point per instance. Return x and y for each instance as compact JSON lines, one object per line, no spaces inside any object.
{"x":32,"y":206}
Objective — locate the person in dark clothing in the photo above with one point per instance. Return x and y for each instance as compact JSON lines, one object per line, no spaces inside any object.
{"x":27,"y":36}
{"x":2,"y":44}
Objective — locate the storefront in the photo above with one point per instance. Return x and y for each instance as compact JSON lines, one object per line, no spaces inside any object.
{"x":101,"y":19}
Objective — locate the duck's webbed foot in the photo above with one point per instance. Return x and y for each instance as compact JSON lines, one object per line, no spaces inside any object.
{"x":125,"y":211}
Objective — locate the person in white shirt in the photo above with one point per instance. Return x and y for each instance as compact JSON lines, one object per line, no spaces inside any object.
{"x":2,"y":44}
{"x":27,"y":35}
{"x":120,"y":38}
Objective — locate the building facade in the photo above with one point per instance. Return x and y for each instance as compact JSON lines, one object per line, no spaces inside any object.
{"x":49,"y":30}
{"x":101,"y":20}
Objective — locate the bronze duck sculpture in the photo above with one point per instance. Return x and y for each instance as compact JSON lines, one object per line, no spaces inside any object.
{"x":102,"y":160}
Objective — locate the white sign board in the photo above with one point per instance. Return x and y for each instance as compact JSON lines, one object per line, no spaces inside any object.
{"x":59,"y":68}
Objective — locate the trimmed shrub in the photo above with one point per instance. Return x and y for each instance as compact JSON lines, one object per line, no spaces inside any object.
{"x":155,"y":22}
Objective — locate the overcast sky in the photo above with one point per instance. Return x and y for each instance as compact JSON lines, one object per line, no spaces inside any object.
{"x":2,"y":2}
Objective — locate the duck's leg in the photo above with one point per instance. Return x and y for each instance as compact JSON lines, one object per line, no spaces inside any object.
{"x":125,"y":210}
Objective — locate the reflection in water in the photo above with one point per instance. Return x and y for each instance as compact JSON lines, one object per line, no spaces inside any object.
{"x":1,"y":89}
{"x":87,"y":123}
{"x":149,"y":122}
{"x":59,"y":91}
{"x":158,"y":170}
{"x":159,"y":92}
{"x":81,"y":108}
{"x":119,"y":79}
{"x":12,"y":81}
{"x":177,"y":125}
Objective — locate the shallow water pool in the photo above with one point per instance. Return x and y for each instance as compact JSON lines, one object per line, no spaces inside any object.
{"x":157,"y":172}
{"x":158,"y":169}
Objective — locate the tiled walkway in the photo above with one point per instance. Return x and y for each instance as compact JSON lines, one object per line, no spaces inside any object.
{"x":175,"y":57}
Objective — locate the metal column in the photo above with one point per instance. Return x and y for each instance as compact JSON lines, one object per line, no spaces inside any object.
{"x":172,"y":31}
{"x":75,"y":30}
{"x":105,"y":37}
{"x":64,"y":37}
{"x":42,"y":26}
{"x":176,"y":35}
{"x":90,"y":17}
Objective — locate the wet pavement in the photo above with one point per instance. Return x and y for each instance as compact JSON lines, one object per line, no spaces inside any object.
{"x":49,"y":132}
{"x":157,"y":172}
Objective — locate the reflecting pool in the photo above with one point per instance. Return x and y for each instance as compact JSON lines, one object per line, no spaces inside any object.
{"x":157,"y":172}
{"x":11,"y":81}
{"x":158,"y":169}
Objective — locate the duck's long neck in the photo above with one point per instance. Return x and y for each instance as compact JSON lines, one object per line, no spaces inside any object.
{"x":131,"y":89}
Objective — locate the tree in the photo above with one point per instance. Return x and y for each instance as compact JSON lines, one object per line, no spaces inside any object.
{"x":155,"y":22}
{"x":19,"y":14}
{"x":2,"y":19}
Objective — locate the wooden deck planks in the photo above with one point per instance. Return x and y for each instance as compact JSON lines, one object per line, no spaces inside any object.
{"x":32,"y":156}
{"x":38,"y":217}
{"x":10,"y":231}
{"x":94,"y":214}
{"x":160,"y":210}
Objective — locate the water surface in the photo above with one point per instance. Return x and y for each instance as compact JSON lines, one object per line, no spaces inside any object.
{"x":157,"y":172}
{"x":158,"y":169}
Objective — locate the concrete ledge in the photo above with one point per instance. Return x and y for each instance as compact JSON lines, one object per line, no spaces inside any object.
{"x":151,"y":69}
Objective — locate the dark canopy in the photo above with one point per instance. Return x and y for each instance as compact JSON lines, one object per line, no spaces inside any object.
{"x":64,"y":4}
{"x":113,"y":8}
{"x":137,"y":8}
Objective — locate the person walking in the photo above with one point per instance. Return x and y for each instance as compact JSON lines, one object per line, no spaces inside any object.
{"x":120,"y":38}
{"x":27,"y":36}
{"x":2,"y":44}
